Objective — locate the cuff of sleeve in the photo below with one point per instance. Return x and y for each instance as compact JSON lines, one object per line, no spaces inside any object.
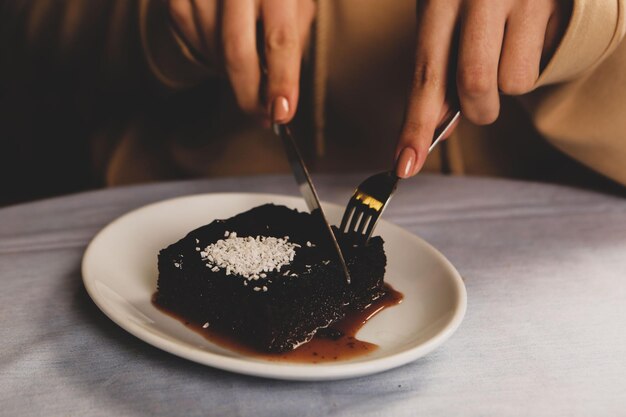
{"x":594,"y":31}
{"x":168,"y":58}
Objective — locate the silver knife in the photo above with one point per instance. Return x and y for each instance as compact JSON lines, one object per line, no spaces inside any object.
{"x":307,"y":189}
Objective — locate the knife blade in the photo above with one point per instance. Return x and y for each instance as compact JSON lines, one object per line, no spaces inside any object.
{"x":307,"y":189}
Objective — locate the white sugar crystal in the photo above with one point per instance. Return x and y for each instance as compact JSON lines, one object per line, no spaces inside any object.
{"x":205,"y":325}
{"x":215,"y":268}
{"x":257,"y":288}
{"x":197,"y":240}
{"x":264,"y":288}
{"x":250,"y":257}
{"x":308,"y":244}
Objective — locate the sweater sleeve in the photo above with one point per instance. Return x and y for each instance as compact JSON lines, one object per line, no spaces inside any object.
{"x":580,"y":101}
{"x":595,"y":30}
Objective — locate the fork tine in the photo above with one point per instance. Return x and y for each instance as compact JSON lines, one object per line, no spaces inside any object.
{"x":371,"y":225}
{"x":356,"y":217}
{"x":364,"y":222}
{"x":346,"y":216}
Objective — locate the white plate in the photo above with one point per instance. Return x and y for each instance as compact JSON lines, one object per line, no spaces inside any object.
{"x":120,"y":272}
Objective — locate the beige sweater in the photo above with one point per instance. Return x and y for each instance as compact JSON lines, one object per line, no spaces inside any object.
{"x":360,"y":72}
{"x":355,"y":81}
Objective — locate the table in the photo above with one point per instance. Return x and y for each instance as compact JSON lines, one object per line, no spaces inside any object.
{"x":544,"y":334}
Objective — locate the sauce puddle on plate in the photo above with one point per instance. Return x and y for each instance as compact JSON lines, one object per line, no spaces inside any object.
{"x":337,"y":342}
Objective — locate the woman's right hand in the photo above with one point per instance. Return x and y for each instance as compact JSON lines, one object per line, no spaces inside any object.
{"x":225,"y":32}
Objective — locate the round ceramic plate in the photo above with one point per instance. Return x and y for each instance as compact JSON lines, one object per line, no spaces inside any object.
{"x":120,"y":273}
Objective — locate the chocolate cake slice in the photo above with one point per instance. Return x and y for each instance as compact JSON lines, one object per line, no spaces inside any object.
{"x":266,"y":278}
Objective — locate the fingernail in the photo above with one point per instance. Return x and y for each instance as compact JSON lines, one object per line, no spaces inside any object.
{"x":406,"y":162}
{"x":280,"y":109}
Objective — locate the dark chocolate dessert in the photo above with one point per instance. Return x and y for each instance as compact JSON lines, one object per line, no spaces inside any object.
{"x":267,"y":278}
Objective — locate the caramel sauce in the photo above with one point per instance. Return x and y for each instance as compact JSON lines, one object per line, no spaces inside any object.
{"x":338,"y":342}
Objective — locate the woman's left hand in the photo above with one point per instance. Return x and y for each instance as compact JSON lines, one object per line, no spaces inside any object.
{"x":501,"y":45}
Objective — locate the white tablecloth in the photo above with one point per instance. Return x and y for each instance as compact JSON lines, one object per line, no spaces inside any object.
{"x":544,"y":334}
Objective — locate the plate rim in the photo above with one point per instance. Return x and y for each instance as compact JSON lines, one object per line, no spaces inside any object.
{"x":282,"y":371}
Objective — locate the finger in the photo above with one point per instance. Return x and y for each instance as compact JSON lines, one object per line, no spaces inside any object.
{"x":240,"y":54}
{"x":205,"y":13}
{"x":283,"y":55}
{"x":182,"y":14}
{"x":521,"y":52}
{"x":480,"y":43}
{"x":436,"y":20}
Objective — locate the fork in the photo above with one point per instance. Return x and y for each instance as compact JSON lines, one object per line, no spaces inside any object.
{"x":373,"y":195}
